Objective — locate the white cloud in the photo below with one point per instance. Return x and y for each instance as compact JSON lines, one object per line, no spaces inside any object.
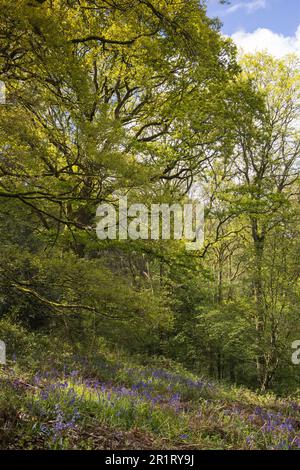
{"x":265,"y":39}
{"x":249,"y":7}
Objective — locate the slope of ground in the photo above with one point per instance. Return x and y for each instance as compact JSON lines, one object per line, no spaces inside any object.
{"x":104,"y":404}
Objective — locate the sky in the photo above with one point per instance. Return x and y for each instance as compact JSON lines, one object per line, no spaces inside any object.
{"x":272,"y":25}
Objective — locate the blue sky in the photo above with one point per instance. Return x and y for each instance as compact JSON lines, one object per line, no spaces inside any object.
{"x":257,"y":24}
{"x":281,"y":16}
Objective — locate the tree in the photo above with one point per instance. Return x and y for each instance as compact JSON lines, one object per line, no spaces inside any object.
{"x":261,"y":194}
{"x":102,"y":97}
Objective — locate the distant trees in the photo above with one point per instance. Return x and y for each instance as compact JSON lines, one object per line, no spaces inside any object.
{"x":256,"y":193}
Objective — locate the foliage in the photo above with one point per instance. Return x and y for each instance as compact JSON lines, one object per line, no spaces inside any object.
{"x":146,"y":98}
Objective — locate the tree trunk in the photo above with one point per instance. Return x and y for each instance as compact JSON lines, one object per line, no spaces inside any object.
{"x":259,"y":241}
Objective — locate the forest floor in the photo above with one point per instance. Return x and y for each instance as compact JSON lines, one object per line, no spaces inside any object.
{"x":109,"y":404}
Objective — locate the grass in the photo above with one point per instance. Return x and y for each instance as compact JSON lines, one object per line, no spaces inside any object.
{"x":109,"y":404}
